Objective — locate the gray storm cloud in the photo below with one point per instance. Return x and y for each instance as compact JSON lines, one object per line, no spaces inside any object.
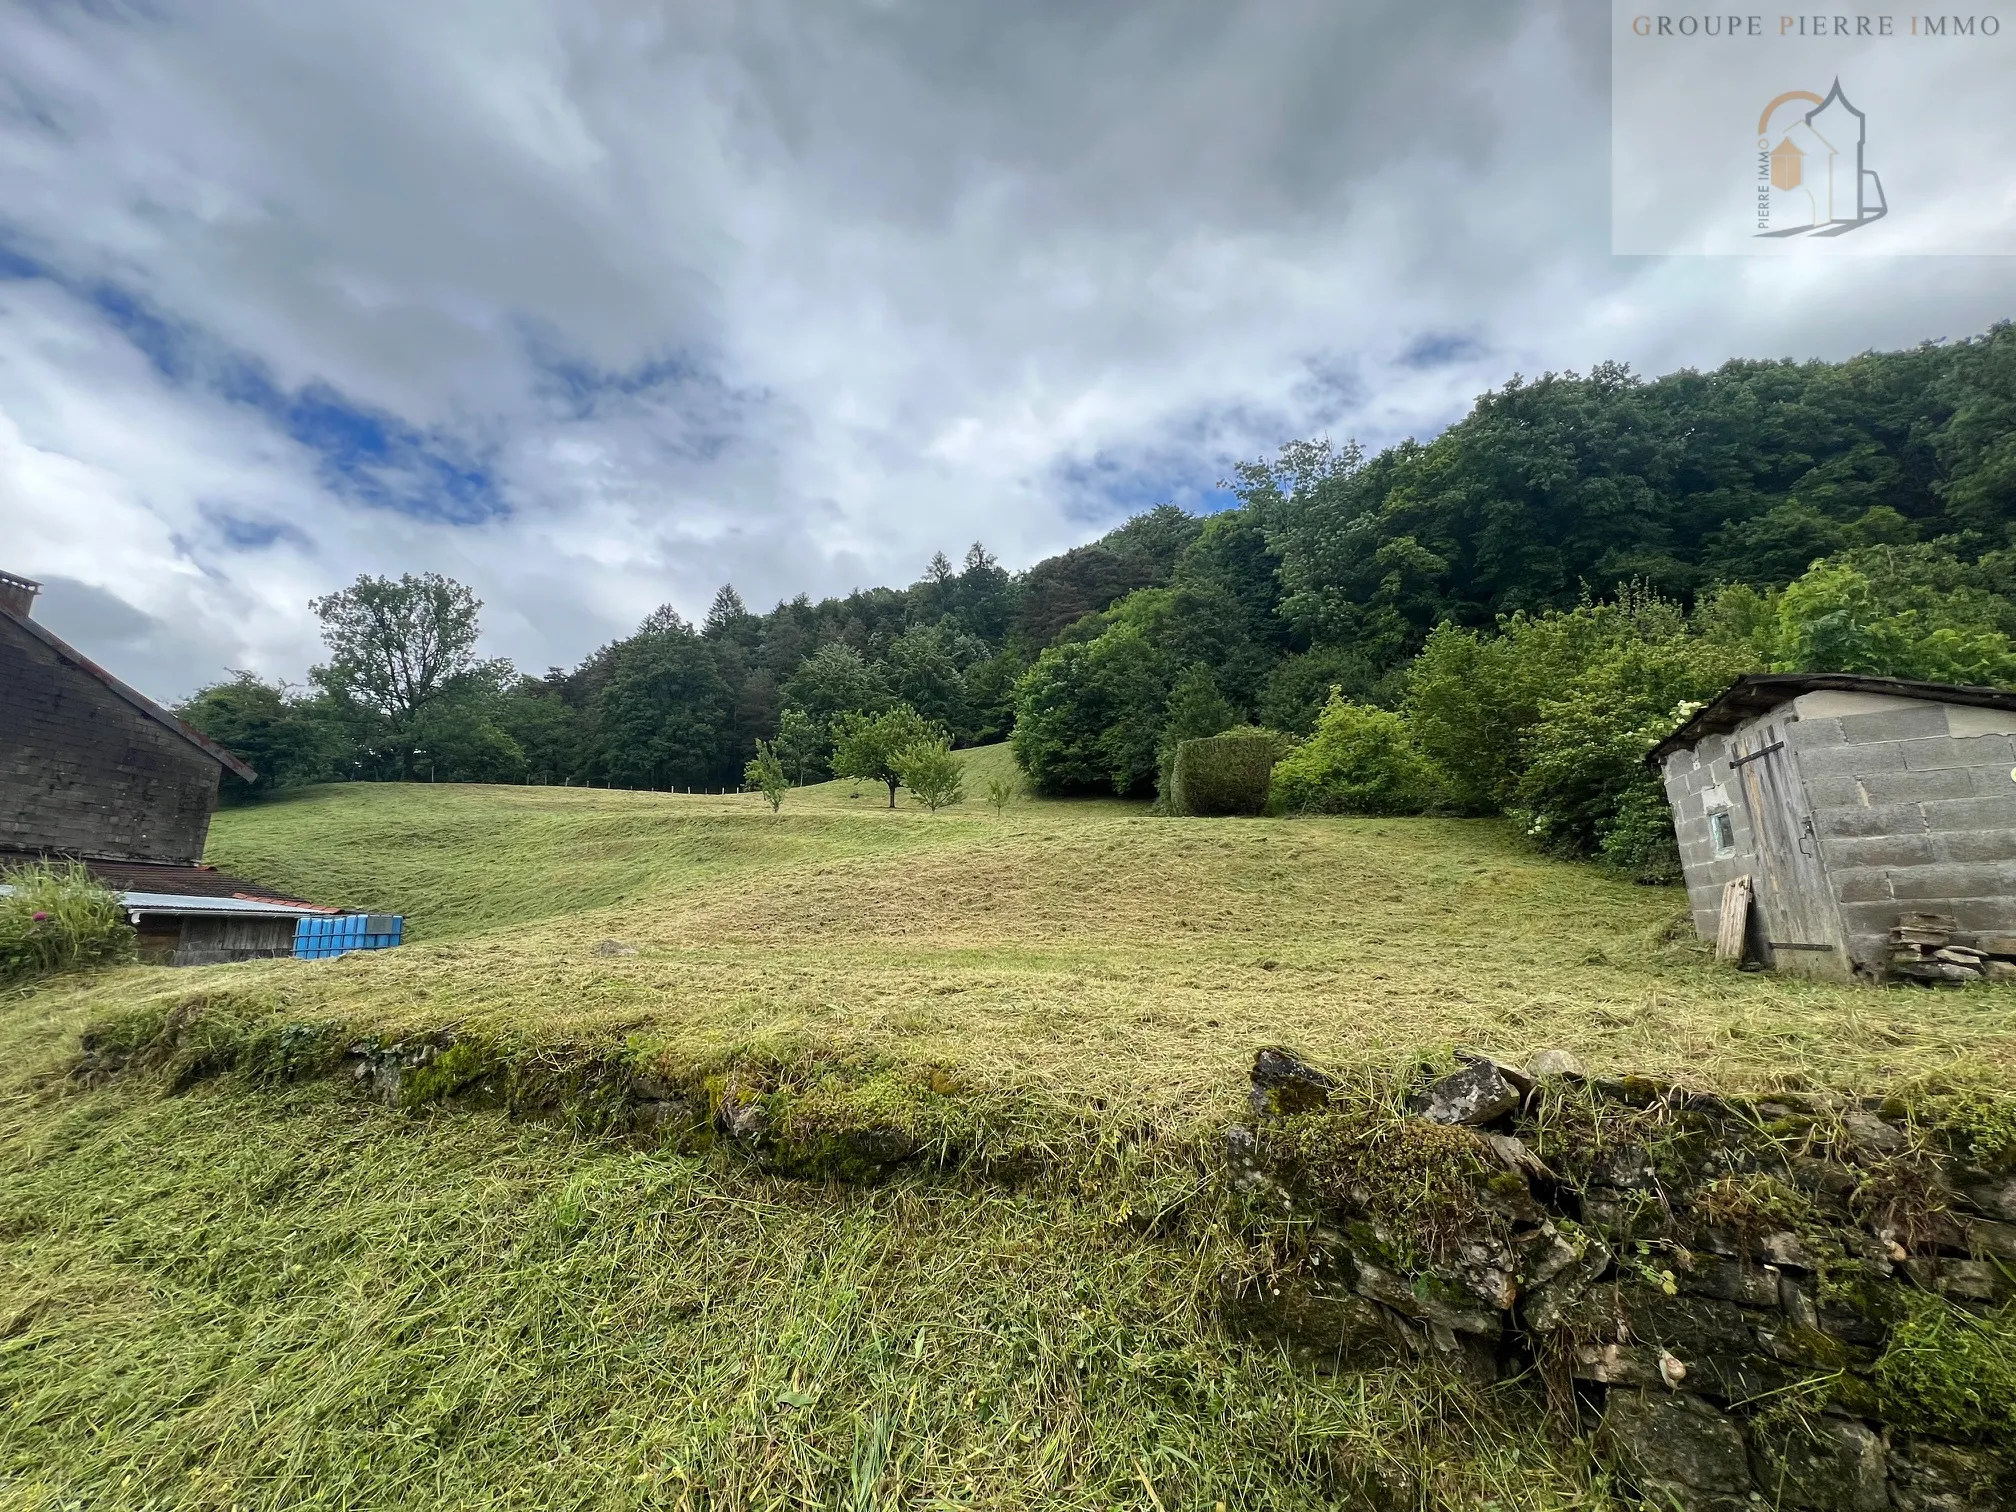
{"x":657,"y":296}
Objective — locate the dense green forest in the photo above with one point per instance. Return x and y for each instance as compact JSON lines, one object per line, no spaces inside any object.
{"x":1575,"y":546}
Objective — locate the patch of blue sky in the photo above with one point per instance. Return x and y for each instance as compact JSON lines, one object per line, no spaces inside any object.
{"x":1107,"y":489}
{"x":246,"y":534}
{"x":363,"y":454}
{"x":697,"y":417}
{"x":1435,"y":349}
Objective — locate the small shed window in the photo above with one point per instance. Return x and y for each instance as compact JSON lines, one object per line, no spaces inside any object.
{"x":1723,"y":828}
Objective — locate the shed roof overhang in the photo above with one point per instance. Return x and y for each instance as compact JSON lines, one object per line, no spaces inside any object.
{"x":1760,"y":693}
{"x":185,"y":905}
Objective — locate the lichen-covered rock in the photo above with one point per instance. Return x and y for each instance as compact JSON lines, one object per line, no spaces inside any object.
{"x":1871,"y":1137}
{"x":1627,"y":1168}
{"x":1732,"y":1281}
{"x":1677,"y":1447}
{"x":1821,"y":1464}
{"x":1553,"y":1063}
{"x":1430,"y":1297}
{"x":742,"y":1118}
{"x":1992,"y":1196}
{"x":1985,"y":1237}
{"x":1557,"y":1285}
{"x":1476,"y":1095}
{"x":1625,"y":1329}
{"x":1284,"y":1084}
{"x":1962,"y":1280}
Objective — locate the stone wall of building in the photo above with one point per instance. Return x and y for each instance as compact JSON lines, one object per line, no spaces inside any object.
{"x":84,"y":771}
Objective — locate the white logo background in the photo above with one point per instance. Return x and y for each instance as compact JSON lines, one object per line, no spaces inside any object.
{"x":1939,"y":114}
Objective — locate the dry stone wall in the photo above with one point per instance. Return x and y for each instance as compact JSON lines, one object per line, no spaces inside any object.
{"x":1791,"y":1301}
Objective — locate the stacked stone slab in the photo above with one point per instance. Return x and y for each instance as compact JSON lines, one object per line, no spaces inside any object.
{"x":1721,"y":1359}
{"x":1932,"y":948}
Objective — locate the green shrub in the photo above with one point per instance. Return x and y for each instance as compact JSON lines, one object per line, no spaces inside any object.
{"x":1948,"y":1372}
{"x":1361,"y":760}
{"x":1223,"y":774}
{"x":1638,"y":838}
{"x":936,"y":778}
{"x":57,"y":919}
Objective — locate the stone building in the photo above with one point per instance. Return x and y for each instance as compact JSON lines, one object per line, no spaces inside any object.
{"x":88,"y":766}
{"x":1848,"y":803}
{"x":96,"y":773}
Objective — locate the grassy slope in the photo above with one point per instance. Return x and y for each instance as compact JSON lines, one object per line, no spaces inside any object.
{"x":1083,"y":947}
{"x":246,"y":1297}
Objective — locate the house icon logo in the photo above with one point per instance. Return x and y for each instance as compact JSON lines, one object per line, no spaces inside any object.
{"x":1811,"y":177}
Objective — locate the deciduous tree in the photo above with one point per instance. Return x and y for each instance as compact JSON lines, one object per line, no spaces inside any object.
{"x":869,"y":746}
{"x":766,"y":774}
{"x":936,"y":778}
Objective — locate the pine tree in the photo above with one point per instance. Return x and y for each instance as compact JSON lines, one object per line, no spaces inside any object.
{"x":726,"y":614}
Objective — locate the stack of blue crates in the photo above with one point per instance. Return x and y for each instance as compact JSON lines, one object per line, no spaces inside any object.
{"x":317,"y":939}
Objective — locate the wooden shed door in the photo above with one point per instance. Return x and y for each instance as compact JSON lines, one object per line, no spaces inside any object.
{"x":1793,"y":898}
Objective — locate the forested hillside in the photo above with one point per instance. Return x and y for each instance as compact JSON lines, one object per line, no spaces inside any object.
{"x":1894,"y":471}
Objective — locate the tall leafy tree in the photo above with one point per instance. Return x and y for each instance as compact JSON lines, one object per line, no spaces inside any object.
{"x":661,"y":714}
{"x":285,"y":738}
{"x":396,"y":650}
{"x":836,"y":679}
{"x":923,"y":671}
{"x":984,"y":601}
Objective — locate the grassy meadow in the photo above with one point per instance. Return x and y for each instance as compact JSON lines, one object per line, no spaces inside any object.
{"x":227,"y":1291}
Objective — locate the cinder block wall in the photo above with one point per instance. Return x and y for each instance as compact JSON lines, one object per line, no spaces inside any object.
{"x":1696,"y":782}
{"x":83,"y":770}
{"x":1914,"y":806}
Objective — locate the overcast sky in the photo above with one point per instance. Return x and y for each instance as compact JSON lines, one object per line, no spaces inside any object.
{"x":598,"y":305}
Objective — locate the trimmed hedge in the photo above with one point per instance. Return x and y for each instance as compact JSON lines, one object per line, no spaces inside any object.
{"x":1223,"y":774}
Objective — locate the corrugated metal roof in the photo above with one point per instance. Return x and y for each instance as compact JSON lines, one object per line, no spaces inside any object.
{"x":137,"y":903}
{"x":180,"y":903}
{"x":1762,"y":692}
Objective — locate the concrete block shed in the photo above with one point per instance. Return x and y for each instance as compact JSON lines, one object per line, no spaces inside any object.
{"x":1849,"y":802}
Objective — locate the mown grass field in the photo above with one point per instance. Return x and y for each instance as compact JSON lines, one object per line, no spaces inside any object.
{"x":283,"y":1295}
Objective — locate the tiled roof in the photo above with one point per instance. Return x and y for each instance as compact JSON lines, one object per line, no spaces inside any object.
{"x":160,"y":877}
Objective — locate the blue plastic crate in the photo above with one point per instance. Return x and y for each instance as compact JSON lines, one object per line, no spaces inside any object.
{"x":318,"y":938}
